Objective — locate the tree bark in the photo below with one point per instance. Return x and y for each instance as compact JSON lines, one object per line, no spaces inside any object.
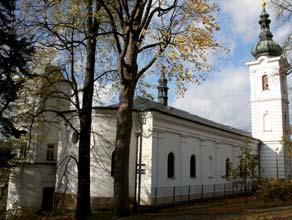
{"x":83,"y":209}
{"x":128,"y":72}
{"x":124,"y":126}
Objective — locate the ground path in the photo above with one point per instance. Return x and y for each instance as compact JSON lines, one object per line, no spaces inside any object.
{"x":239,"y":208}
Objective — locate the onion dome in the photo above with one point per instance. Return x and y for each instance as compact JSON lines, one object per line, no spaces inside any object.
{"x":162,"y":89}
{"x":266,"y":46}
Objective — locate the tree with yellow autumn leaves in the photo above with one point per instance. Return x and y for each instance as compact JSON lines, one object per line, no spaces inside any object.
{"x":178,"y":34}
{"x":135,"y":37}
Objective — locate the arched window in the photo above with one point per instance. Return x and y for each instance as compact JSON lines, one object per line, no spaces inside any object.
{"x":265,"y":82}
{"x":211,"y":166}
{"x":227,"y":167}
{"x":113,"y":164}
{"x":75,"y":137}
{"x":193,"y":166}
{"x":170,"y":165}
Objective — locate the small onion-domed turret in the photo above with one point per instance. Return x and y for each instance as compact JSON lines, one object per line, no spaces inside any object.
{"x":162,"y":89}
{"x":266,"y":46}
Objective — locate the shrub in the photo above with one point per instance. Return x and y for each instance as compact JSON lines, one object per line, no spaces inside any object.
{"x":271,"y":189}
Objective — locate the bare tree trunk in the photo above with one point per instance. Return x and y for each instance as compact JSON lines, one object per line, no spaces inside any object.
{"x":124,"y":126}
{"x":128,"y":72}
{"x":83,"y":209}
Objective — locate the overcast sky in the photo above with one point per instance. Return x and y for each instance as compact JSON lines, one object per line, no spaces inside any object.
{"x":224,"y":97}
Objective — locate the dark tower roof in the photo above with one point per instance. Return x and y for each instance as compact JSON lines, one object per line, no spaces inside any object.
{"x":266,"y":46}
{"x":162,"y":89}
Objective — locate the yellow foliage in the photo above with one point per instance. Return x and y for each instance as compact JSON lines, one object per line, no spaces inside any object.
{"x":190,"y":42}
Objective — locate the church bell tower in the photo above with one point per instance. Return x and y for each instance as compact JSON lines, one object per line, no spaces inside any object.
{"x":269,"y":102}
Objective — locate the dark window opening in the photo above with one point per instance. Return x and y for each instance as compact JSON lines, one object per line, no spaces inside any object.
{"x":227,"y":168}
{"x":170,"y":165}
{"x":113,"y":164}
{"x":23,"y":153}
{"x":50,"y":152}
{"x":75,"y":137}
{"x":193,"y":166}
{"x":48,"y":198}
{"x":265,"y":82}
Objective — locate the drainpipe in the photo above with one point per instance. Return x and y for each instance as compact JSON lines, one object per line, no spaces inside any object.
{"x":137,"y":134}
{"x":277,"y":164}
{"x":140,"y":168}
{"x":139,"y":138}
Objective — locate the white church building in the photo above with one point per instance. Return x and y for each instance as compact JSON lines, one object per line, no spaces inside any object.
{"x":172,"y":152}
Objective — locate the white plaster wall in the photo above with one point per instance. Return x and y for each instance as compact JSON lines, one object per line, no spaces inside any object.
{"x":133,"y":149}
{"x":184,"y":138}
{"x":28,"y":179}
{"x":161,"y":135}
{"x":103,"y":140}
{"x":169,"y":143}
{"x":265,"y":66}
{"x":147,"y":156}
{"x":26,"y":185}
{"x":102,"y":147}
{"x":103,"y":144}
{"x":273,"y":161}
{"x":46,"y":127}
{"x":273,"y":101}
{"x":274,"y":108}
{"x":190,"y":146}
{"x":66,"y":173}
{"x":46,"y":134}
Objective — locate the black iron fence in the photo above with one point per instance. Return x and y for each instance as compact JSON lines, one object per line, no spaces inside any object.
{"x":176,"y":194}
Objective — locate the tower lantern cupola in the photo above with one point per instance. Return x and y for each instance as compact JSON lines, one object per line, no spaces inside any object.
{"x":266,"y":46}
{"x":162,"y":89}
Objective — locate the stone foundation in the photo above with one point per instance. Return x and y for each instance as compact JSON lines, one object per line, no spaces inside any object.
{"x":68,"y":202}
{"x":64,"y":201}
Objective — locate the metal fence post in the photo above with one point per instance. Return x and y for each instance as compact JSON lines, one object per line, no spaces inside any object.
{"x":202,"y":192}
{"x":214,"y":191}
{"x":173,"y":197}
{"x":189,"y":194}
{"x":224,"y":189}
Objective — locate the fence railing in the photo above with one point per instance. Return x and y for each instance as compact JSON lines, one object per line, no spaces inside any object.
{"x":176,"y":194}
